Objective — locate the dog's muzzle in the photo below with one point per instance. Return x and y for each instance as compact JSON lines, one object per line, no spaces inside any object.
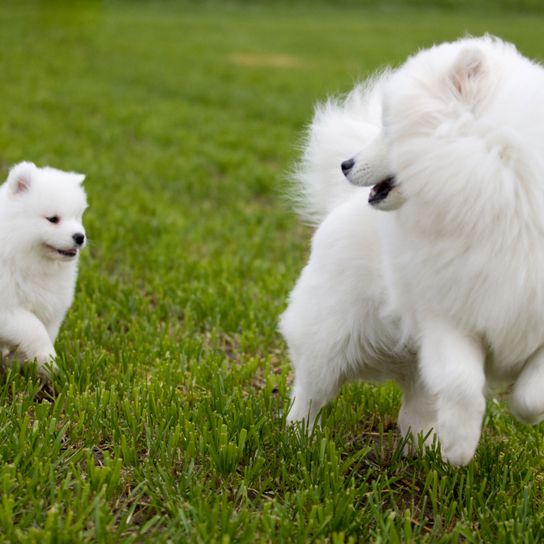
{"x":370,"y":168}
{"x":386,"y":195}
{"x":381,"y":190}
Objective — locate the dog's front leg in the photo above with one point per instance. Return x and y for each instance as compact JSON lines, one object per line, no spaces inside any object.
{"x":452,"y":367}
{"x":25,"y":332}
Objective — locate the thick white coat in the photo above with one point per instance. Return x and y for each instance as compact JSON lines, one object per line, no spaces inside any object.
{"x":456,"y":274}
{"x":37,"y":281}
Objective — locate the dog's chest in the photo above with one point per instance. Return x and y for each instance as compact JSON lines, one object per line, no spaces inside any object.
{"x":498,"y":298}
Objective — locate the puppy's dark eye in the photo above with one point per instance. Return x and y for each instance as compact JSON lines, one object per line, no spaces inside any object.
{"x":53,"y":219}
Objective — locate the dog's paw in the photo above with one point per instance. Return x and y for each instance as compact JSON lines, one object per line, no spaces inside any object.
{"x":45,"y":356}
{"x":528,"y":410}
{"x":526,"y":401}
{"x":458,"y":455}
{"x":304,"y":413}
{"x":459,"y":440}
{"x":47,"y":370}
{"x":45,"y":361}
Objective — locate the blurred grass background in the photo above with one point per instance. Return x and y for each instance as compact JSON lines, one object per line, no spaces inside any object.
{"x":168,"y":425}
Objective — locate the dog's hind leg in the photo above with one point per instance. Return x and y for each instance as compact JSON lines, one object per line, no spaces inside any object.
{"x":309,"y":396}
{"x":313,"y":388}
{"x":318,"y":336}
{"x":452,"y":368}
{"x":334,"y":309}
{"x":526,"y":400}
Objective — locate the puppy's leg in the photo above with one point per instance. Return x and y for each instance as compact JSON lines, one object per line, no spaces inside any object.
{"x":26,"y":332}
{"x":527,"y":400}
{"x":53,"y":329}
{"x":417,"y":415}
{"x":452,"y":367}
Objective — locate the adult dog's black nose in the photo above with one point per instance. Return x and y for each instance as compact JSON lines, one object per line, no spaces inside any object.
{"x":79,"y":238}
{"x":347,"y":166}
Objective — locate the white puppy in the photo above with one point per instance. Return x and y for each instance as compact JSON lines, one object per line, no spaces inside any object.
{"x":41,"y":235}
{"x":455,"y":274}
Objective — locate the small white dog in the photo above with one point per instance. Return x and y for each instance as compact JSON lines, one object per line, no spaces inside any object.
{"x":41,"y":235}
{"x":445,"y":294}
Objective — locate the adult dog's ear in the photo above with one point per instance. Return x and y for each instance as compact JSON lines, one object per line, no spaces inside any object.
{"x":20,"y":177}
{"x":467,"y":74}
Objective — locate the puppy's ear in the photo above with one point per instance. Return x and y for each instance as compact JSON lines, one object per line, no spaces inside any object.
{"x":467,"y":74}
{"x":78,"y":178}
{"x":20,"y":177}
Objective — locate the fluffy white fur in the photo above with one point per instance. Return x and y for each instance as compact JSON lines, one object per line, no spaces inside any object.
{"x":41,"y":234}
{"x":445,"y":294}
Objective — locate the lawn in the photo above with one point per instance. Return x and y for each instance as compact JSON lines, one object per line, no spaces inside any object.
{"x":168,"y":424}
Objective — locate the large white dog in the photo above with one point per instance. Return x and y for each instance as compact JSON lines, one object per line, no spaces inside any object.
{"x":445,"y":294}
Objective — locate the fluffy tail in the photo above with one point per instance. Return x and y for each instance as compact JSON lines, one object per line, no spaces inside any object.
{"x":340,"y":129}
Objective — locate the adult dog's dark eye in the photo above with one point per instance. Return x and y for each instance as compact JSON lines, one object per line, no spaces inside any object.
{"x":53,"y":219}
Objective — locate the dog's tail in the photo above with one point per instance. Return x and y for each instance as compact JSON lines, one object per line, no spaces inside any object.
{"x":340,"y":129}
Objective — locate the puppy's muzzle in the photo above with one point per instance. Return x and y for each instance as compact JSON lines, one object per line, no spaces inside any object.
{"x":79,"y":238}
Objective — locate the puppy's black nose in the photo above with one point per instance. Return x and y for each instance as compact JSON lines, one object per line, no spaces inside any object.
{"x":78,"y":238}
{"x":347,"y":166}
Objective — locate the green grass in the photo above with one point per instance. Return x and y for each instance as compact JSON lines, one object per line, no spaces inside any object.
{"x":168,"y":425}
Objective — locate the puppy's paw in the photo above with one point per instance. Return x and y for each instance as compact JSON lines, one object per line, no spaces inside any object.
{"x":47,"y":371}
{"x":458,"y":455}
{"x":459,"y":440}
{"x":45,"y":361}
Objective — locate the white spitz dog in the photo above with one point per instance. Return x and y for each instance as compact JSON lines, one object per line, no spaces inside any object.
{"x":41,"y":234}
{"x":444,"y":293}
